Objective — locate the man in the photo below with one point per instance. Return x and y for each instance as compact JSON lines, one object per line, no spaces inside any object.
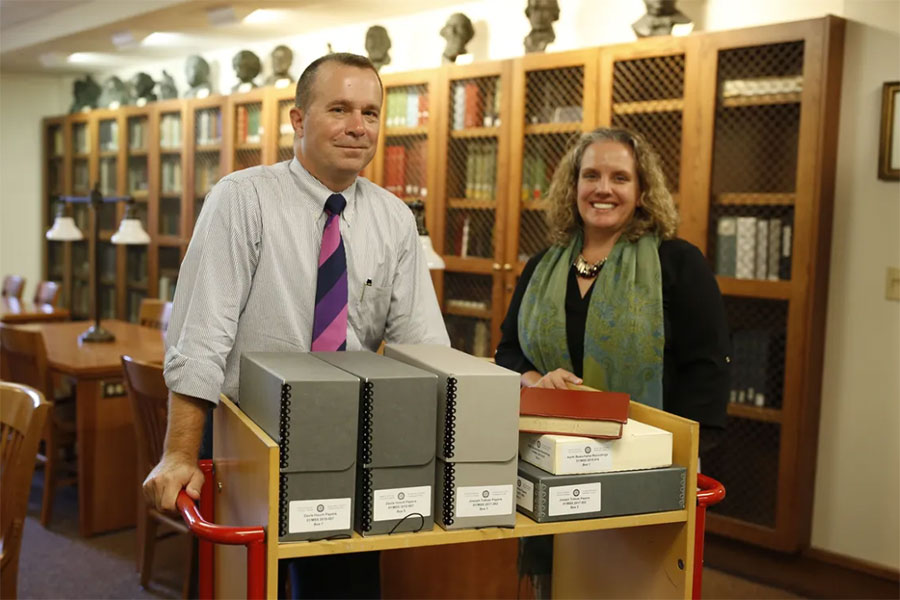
{"x":250,"y":275}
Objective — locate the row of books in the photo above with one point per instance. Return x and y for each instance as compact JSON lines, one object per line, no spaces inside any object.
{"x":80,"y":176}
{"x":138,"y":180}
{"x":475,"y":105}
{"x":170,"y":131}
{"x":81,"y":142}
{"x":535,"y":177}
{"x":208,"y":126}
{"x":753,"y":248}
{"x":81,"y":298}
{"x":167,"y":288}
{"x":760,"y":86}
{"x":248,"y":129}
{"x":469,"y":335}
{"x":108,"y":176}
{"x":57,"y":142}
{"x":470,"y":235}
{"x":109,"y":136}
{"x":169,"y":222}
{"x":107,"y":302}
{"x":405,"y":169}
{"x":205,"y":176}
{"x":137,"y":134}
{"x":754,"y":366}
{"x":134,"y":305}
{"x":170,"y":177}
{"x":406,"y":107}
{"x":106,"y":262}
{"x":481,"y":170}
{"x":136,"y":264}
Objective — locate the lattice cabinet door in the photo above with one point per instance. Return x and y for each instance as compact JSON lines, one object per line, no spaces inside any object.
{"x":246,"y":130}
{"x":56,"y":254}
{"x":283,"y":101}
{"x":770,"y":196}
{"x":168,"y":196}
{"x":406,"y":157}
{"x":554,"y":101}
{"x":112,"y":158}
{"x":81,"y":176}
{"x":472,"y":195}
{"x":205,"y":141}
{"x":137,"y":144}
{"x":649,"y":87}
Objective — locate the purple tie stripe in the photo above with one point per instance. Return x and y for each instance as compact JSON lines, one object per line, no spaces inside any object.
{"x":330,"y":316}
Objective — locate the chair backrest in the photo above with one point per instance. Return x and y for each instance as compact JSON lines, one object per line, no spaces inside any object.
{"x":149,"y":403}
{"x":155,"y":313}
{"x":23,"y":358}
{"x":23,"y":412}
{"x":47,"y":292}
{"x":13,"y":286}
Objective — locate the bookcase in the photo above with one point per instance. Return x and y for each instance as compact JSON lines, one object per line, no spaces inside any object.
{"x":745,"y":123}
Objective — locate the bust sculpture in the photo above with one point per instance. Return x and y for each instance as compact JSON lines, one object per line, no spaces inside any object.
{"x":246,"y":67}
{"x":282,"y":57}
{"x":458,"y":31}
{"x":114,"y":93}
{"x":196,"y":71}
{"x":85,"y":93}
{"x":541,"y":14}
{"x":661,"y":17}
{"x":378,"y":43}
{"x":167,"y":89}
{"x":142,"y":88}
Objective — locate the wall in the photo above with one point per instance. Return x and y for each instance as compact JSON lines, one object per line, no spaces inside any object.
{"x":24,"y":100}
{"x":858,"y":480}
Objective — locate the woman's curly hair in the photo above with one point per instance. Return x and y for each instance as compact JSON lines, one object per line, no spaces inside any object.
{"x":656,"y":212}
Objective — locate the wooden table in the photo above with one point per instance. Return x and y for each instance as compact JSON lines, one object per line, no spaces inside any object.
{"x":107,"y":454}
{"x":637,"y":556}
{"x":13,"y":311}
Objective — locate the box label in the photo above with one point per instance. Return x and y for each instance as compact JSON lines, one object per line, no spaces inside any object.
{"x":326,"y":514}
{"x":525,"y":494}
{"x":484,"y":501}
{"x":396,"y":503}
{"x":574,"y":499}
{"x":592,"y":457}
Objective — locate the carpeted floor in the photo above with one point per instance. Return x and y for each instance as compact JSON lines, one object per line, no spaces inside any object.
{"x":57,"y":563}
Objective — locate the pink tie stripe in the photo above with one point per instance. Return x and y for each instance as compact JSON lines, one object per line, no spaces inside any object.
{"x":330,"y":315}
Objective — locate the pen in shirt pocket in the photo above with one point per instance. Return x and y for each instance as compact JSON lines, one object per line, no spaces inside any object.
{"x":368,"y":284}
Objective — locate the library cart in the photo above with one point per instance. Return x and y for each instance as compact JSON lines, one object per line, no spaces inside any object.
{"x":657,"y":555}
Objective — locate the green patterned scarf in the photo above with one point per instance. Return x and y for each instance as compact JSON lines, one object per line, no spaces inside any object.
{"x":624,"y":336}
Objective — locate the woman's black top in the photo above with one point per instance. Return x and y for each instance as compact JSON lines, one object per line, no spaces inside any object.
{"x":696,"y":358}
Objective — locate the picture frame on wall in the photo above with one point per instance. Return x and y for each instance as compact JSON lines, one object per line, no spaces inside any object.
{"x":889,"y":148}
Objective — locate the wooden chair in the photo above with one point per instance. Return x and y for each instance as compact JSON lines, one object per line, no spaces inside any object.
{"x":155,"y":313}
{"x":13,"y":285}
{"x":47,"y":292}
{"x":149,"y":402}
{"x":23,"y":359}
{"x":23,"y":413}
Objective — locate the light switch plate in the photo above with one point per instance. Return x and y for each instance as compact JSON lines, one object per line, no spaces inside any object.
{"x":892,"y":286}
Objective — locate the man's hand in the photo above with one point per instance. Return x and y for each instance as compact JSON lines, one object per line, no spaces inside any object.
{"x":557,"y":379}
{"x":168,"y":477}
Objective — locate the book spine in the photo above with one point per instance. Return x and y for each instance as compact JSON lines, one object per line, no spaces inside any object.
{"x":746,"y":245}
{"x":774,"y":248}
{"x":762,"y":248}
{"x":726,"y":246}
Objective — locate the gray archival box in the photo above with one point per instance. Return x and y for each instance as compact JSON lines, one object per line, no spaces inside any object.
{"x":545,"y":497}
{"x":395,"y":462}
{"x":310,"y":409}
{"x":477,"y":436}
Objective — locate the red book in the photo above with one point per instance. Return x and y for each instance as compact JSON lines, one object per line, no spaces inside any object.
{"x":474,"y":115}
{"x":573,"y":412}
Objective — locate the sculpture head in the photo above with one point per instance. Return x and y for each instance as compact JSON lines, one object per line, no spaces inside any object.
{"x":282,"y":57}
{"x":542,"y":13}
{"x":458,"y":31}
{"x":246,"y":65}
{"x":196,"y":70}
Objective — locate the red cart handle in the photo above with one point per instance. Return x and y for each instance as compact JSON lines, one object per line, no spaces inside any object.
{"x":210,"y":533}
{"x":710,"y":492}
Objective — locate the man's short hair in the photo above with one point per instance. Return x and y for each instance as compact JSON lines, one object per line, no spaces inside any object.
{"x":308,"y":78}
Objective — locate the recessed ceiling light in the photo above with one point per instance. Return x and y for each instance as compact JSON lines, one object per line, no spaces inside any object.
{"x":165,"y":38}
{"x":96,"y":58}
{"x":52,"y":59}
{"x":221,"y":15}
{"x":266,"y":16}
{"x":124,"y":39}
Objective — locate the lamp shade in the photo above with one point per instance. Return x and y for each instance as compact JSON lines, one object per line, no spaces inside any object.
{"x":130,"y":232}
{"x":432,"y":258}
{"x":64,"y":230}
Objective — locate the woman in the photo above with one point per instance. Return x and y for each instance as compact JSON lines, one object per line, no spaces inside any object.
{"x":617,"y":302}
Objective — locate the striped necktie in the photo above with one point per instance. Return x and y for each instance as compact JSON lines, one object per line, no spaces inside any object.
{"x":330,"y":316}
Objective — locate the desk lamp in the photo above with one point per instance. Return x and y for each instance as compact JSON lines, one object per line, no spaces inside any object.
{"x":432,"y":258}
{"x":130,"y":232}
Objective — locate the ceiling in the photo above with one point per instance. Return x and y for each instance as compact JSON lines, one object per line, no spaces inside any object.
{"x":37,"y":36}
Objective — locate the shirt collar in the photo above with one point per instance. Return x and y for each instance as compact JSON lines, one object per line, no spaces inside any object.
{"x":315,"y":193}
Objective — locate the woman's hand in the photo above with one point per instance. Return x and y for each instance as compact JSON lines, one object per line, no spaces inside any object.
{"x":556,"y":379}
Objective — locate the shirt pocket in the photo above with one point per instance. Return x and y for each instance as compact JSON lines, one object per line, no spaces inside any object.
{"x":372,"y":309}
